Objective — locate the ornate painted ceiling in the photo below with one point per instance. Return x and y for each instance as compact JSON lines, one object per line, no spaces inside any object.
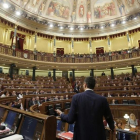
{"x":79,"y":11}
{"x":66,"y":15}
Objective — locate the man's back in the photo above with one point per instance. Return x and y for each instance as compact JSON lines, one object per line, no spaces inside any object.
{"x":90,"y":109}
{"x":87,"y":111}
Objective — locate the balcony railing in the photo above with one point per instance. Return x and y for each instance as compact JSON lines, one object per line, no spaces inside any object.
{"x":48,"y":57}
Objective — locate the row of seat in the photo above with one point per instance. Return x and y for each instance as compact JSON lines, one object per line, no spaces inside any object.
{"x":132,"y":102}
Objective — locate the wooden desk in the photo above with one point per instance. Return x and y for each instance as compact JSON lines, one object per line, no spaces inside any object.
{"x":49,"y":122}
{"x":120,"y":110}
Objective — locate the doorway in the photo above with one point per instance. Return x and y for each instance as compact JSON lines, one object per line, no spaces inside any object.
{"x":99,"y":51}
{"x":60,"y":51}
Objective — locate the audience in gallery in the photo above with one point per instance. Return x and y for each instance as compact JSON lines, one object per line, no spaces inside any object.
{"x":113,"y":53}
{"x":67,"y":55}
{"x":132,"y":121}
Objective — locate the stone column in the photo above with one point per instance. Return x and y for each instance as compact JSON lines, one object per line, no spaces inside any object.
{"x":33,"y":76}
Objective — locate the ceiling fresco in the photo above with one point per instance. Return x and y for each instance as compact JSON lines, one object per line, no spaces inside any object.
{"x":79,"y":11}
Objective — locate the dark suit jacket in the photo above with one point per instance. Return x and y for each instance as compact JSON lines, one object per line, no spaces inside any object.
{"x":87,"y":111}
{"x":31,"y":103}
{"x":37,"y":102}
{"x":45,"y":100}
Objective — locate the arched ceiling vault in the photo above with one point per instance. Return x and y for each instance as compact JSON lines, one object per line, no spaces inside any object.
{"x":73,"y":17}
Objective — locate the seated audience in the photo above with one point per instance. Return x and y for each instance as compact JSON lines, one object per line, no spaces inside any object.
{"x":56,"y":98}
{"x":113,"y":101}
{"x":118,"y":95}
{"x":138,"y":94}
{"x":132,"y":120}
{"x":37,"y":101}
{"x":41,"y":92}
{"x":109,"y":95}
{"x":45,"y":99}
{"x":20,"y":104}
{"x":20,"y":96}
{"x":103,"y":94}
{"x":32,"y":102}
{"x":67,"y":97}
{"x":66,"y":91}
{"x":36,"y":92}
{"x":133,"y":95}
{"x":16,"y":105}
{"x":62,"y":98}
{"x":71,"y":91}
{"x":14,"y":93}
{"x":76,"y":88}
{"x":118,"y":124}
{"x":27,"y":92}
{"x":52,"y":91}
{"x":124,"y":88}
{"x":5,"y":94}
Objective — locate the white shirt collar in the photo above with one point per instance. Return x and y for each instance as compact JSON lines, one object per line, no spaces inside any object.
{"x":89,"y":89}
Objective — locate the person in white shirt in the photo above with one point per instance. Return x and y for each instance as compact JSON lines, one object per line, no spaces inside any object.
{"x":5,"y":94}
{"x":20,"y":103}
{"x":109,"y":95}
{"x":132,"y":120}
{"x":20,"y":96}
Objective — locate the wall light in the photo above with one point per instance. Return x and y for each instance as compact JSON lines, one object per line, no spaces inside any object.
{"x":123,"y":22}
{"x":18,"y":13}
{"x":112,"y":25}
{"x":61,"y":27}
{"x":51,"y":25}
{"x":6,"y":5}
{"x":126,"y":117}
{"x":71,"y":28}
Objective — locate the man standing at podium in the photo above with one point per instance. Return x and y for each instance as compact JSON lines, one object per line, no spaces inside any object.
{"x":87,"y":111}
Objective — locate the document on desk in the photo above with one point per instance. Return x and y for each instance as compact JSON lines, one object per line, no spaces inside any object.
{"x":13,"y":137}
{"x":66,"y":135}
{"x":133,"y":126}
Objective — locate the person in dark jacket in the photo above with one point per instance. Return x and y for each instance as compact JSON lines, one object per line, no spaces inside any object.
{"x":32,"y":102}
{"x":87,"y":112}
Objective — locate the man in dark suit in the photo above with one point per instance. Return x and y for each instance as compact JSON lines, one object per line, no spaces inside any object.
{"x":87,"y":111}
{"x":103,"y":74}
{"x":37,"y":101}
{"x":32,"y":102}
{"x":45,"y":99}
{"x":76,"y":88}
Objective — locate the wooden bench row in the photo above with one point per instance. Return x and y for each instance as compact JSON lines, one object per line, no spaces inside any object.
{"x":118,"y":110}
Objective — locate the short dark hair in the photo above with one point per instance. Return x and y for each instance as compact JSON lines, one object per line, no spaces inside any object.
{"x":90,"y":82}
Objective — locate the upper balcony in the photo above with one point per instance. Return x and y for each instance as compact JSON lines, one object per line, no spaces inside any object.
{"x":27,"y":59}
